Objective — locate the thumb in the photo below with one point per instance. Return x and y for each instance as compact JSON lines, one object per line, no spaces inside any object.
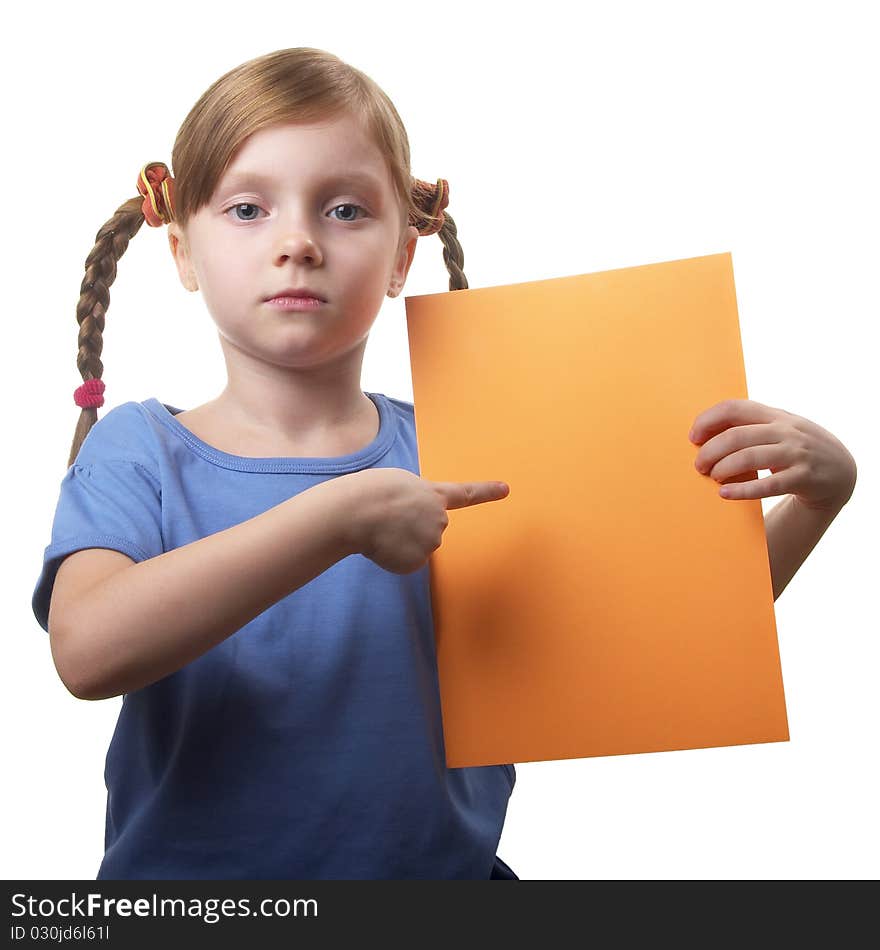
{"x":462,"y":494}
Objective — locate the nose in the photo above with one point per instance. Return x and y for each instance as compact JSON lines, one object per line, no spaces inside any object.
{"x":298,"y":246}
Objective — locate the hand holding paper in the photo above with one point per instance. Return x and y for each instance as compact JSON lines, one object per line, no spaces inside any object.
{"x":740,"y":435}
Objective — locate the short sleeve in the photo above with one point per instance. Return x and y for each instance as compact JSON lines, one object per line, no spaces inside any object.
{"x":109,"y":503}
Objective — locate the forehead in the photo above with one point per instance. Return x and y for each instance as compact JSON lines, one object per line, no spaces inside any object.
{"x":331,"y":148}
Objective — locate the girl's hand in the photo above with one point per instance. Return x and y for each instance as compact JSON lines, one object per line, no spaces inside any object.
{"x":401,"y":518}
{"x":740,"y":435}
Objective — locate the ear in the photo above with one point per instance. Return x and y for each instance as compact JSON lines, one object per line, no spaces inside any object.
{"x":180,"y":251}
{"x":405,"y":255}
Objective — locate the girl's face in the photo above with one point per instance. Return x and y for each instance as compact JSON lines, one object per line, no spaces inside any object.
{"x":299,"y":206}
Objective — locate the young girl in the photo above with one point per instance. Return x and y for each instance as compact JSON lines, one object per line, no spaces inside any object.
{"x":251,"y":575}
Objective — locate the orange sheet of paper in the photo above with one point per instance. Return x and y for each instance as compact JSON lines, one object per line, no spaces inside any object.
{"x":613,"y":602}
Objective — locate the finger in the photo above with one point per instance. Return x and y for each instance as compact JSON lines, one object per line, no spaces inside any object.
{"x":463,"y":494}
{"x":727,"y":413}
{"x":765,"y":487}
{"x":751,"y":459}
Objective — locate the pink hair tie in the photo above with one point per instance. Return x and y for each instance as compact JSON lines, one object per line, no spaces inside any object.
{"x":90,"y":394}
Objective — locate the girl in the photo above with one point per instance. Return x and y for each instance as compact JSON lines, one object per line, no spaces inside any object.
{"x":251,"y":575}
{"x":270,"y":727}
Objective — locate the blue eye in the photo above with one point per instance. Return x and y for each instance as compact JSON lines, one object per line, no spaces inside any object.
{"x":242,"y":204}
{"x":347,"y":205}
{"x":250,"y":204}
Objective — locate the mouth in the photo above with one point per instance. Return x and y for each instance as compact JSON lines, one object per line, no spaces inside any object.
{"x":295,"y":303}
{"x":295,"y":293}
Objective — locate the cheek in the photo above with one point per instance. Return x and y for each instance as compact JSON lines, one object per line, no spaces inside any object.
{"x":356,"y":267}
{"x":224,"y":285}
{"x":228,"y":269}
{"x":376,"y":265}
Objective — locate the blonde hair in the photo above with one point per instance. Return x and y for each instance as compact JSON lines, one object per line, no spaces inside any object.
{"x":289,"y":85}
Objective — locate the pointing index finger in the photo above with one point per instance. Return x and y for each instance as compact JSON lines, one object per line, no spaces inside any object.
{"x":464,"y":494}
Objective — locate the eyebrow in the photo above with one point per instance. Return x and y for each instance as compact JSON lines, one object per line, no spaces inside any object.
{"x":237,"y":179}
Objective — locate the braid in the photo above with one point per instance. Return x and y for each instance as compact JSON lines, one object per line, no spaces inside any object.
{"x":111,"y":242}
{"x":429,"y":218}
{"x":453,"y":255}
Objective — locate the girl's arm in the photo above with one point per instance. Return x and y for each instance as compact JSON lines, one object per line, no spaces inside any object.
{"x":151,"y":618}
{"x":793,"y":530}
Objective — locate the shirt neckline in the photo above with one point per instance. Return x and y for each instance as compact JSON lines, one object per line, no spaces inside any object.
{"x":339,"y":464}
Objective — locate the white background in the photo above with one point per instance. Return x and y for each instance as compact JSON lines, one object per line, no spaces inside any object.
{"x":575,"y":138}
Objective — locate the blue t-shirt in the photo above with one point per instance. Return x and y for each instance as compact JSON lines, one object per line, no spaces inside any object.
{"x":307,"y":745}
